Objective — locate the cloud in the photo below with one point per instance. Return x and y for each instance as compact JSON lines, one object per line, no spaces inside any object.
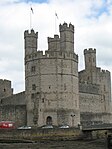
{"x":91,"y":18}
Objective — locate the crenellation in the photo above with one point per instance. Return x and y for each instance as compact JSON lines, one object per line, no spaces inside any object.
{"x":40,"y":54}
{"x":54,"y":43}
{"x":56,"y":37}
{"x":30,"y":34}
{"x":90,"y":50}
{"x":66,"y":27}
{"x":71,"y":27}
{"x":51,"y":54}
{"x":103,"y":72}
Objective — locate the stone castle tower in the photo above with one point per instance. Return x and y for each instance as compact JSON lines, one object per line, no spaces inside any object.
{"x":51,"y":80}
{"x":95,"y":75}
{"x":95,"y":91}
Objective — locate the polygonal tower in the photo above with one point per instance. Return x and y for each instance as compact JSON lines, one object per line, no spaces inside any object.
{"x":51,"y":80}
{"x":30,"y":39}
{"x":30,"y":42}
{"x":67,"y":37}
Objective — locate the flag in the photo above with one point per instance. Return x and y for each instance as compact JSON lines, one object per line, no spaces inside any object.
{"x":32,"y":10}
{"x":56,"y":15}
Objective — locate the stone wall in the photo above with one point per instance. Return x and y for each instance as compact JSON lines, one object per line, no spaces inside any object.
{"x":15,"y":113}
{"x":89,"y":88}
{"x":41,"y":134}
{"x":13,"y":108}
{"x":16,"y":99}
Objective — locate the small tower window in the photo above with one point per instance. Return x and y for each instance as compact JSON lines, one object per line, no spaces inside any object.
{"x":42,"y":100}
{"x":32,"y":96}
{"x":104,"y":88}
{"x":33,"y":87}
{"x":65,"y":86}
{"x":33,"y":68}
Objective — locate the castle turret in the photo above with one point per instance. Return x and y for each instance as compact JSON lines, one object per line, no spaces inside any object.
{"x":30,"y":42}
{"x":90,"y":58}
{"x":67,"y":37}
{"x":54,"y":43}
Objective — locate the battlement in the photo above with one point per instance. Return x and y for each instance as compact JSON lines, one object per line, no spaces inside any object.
{"x":51,"y":54}
{"x":54,"y":43}
{"x":56,"y":38}
{"x":67,"y":27}
{"x":103,"y":72}
{"x":90,"y":50}
{"x":30,"y":34}
{"x":6,"y":82}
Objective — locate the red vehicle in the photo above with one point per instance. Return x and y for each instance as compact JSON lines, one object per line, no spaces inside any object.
{"x":7,"y":124}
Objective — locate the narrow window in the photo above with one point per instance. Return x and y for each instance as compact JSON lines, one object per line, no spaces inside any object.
{"x":64,"y":86}
{"x":33,"y":68}
{"x":33,"y":87}
{"x":104,"y":88}
{"x":32,"y":96}
{"x":42,"y":100}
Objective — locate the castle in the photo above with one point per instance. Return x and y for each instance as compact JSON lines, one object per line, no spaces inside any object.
{"x":55,"y":92}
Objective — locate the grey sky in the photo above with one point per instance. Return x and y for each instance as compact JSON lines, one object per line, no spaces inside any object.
{"x":92,"y":20}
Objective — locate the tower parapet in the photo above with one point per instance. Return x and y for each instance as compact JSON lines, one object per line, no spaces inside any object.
{"x":67,"y":37}
{"x":65,"y":26}
{"x":30,"y":42}
{"x":90,"y":50}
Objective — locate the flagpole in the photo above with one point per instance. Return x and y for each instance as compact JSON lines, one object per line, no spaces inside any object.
{"x":55,"y":23}
{"x":56,"y":17}
{"x":31,"y":12}
{"x":30,"y":19}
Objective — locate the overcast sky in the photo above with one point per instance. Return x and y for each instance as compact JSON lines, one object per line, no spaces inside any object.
{"x":93,"y":29}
